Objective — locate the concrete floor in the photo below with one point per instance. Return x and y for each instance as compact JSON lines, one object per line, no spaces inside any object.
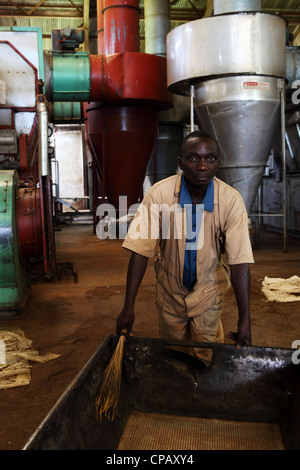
{"x":73,"y":318}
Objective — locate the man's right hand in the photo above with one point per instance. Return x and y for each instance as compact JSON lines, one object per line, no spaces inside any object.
{"x":136,"y":270}
{"x":125,"y":321}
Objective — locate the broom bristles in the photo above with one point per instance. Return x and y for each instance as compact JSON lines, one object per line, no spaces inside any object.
{"x":109,"y":388}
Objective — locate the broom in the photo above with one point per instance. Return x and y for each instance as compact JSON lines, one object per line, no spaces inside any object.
{"x":109,"y":389}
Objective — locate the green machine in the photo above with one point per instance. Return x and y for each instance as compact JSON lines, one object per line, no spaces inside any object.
{"x":26,"y":191}
{"x":14,"y":278}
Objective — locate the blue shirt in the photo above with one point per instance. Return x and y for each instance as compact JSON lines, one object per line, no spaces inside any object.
{"x":193,"y":221}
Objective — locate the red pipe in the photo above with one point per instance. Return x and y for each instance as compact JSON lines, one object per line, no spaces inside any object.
{"x":121,"y":26}
{"x":100,"y":27}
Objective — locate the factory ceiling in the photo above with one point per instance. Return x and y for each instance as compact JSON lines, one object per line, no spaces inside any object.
{"x":51,"y":14}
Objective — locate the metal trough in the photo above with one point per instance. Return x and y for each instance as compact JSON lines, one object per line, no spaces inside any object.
{"x":247,"y":399}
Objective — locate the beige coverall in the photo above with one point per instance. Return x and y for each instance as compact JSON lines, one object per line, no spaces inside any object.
{"x":191,"y":315}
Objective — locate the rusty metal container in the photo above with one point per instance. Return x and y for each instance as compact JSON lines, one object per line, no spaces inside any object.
{"x":246,"y":399}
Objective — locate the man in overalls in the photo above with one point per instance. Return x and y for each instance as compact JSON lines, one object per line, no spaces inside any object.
{"x":191,"y":273}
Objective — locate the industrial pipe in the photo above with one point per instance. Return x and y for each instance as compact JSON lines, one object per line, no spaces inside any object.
{"x":121,"y":26}
{"x":100,"y":27}
{"x":123,"y":87}
{"x":235,"y":77}
{"x":222,"y":7}
{"x":117,"y":77}
{"x":70,"y":77}
{"x":157,"y":26}
{"x":282,"y":123}
{"x":43,"y":158}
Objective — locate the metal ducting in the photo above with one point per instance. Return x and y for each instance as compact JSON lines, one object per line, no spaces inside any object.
{"x":243,"y":113}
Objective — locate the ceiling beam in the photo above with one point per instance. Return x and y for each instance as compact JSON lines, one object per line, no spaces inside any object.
{"x":75,"y":6}
{"x":36,"y":7}
{"x":209,"y":8}
{"x":46,"y":14}
{"x":296,"y":37}
{"x":18,"y":7}
{"x":13,"y":8}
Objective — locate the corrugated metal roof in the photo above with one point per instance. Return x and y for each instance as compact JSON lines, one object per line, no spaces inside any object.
{"x":51,"y":14}
{"x":280,"y":4}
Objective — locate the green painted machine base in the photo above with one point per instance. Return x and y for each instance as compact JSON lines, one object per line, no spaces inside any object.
{"x":14,"y":279}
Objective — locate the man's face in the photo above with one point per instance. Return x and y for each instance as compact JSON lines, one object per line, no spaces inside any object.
{"x":199,"y":160}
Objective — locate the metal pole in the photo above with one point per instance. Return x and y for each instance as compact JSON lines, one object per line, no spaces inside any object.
{"x":282,"y":107}
{"x":86,"y":25}
{"x":42,"y":113}
{"x":157,"y":26}
{"x":121,"y":26}
{"x":230,"y":6}
{"x":192,"y":108}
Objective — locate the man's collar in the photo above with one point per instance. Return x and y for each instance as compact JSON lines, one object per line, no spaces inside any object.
{"x":185,"y":198}
{"x":178,"y":184}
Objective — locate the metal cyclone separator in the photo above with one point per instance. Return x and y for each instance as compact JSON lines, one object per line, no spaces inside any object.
{"x":234,"y":64}
{"x":129,"y":90}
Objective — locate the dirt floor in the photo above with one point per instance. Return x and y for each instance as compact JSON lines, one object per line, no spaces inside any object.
{"x":73,"y":318}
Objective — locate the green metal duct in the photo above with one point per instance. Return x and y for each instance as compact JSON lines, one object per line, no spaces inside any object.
{"x":71,"y":78}
{"x":14,"y":279}
{"x":67,"y":112}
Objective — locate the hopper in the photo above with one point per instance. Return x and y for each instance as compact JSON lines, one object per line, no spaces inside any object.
{"x":236,"y":63}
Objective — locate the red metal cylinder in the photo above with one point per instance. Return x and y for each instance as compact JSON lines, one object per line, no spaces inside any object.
{"x":100,"y":27}
{"x":121,"y":26}
{"x":29,"y":223}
